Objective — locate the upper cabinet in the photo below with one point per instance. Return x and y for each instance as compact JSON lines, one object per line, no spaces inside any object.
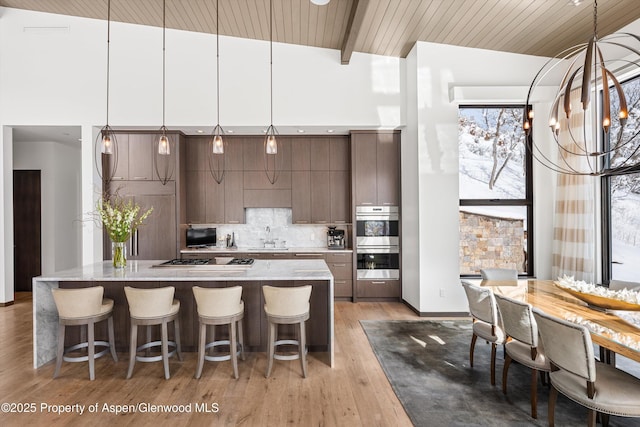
{"x":314,"y":180}
{"x":320,"y":187}
{"x":136,"y":156}
{"x":206,"y":200}
{"x":376,"y":171}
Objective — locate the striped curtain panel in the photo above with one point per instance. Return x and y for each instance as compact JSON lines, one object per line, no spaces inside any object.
{"x":573,"y":228}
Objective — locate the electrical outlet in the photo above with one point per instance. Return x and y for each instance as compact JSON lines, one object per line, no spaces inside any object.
{"x":441,"y":292}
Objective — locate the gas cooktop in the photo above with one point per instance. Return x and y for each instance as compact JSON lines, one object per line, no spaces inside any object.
{"x":181,"y":262}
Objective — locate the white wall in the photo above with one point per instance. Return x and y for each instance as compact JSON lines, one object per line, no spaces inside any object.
{"x":59,"y":79}
{"x":434,"y":154}
{"x":60,"y":200}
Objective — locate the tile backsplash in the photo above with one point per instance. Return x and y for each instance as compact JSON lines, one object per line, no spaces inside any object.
{"x":253,"y":233}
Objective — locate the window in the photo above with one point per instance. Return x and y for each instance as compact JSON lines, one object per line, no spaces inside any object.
{"x":496,"y":209}
{"x":621,"y":196}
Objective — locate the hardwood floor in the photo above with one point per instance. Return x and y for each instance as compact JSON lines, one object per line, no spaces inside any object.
{"x":355,"y":392}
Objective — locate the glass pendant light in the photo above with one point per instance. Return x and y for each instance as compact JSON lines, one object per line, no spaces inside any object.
{"x":272,"y":159}
{"x":217,"y":142}
{"x":106,"y":143}
{"x":164,"y":164}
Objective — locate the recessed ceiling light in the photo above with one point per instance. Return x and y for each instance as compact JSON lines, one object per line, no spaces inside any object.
{"x":300,"y":130}
{"x":229,"y":131}
{"x":320,"y":2}
{"x":330,"y":131}
{"x":574,"y":2}
{"x":200,"y":131}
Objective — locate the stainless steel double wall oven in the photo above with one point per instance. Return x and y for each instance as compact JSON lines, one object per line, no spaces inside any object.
{"x":377,"y":242}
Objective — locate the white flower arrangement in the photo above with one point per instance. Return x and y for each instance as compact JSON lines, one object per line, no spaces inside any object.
{"x":120,"y":218}
{"x":626,"y":295}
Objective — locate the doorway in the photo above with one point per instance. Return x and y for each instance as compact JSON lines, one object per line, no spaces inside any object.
{"x":27,"y":239}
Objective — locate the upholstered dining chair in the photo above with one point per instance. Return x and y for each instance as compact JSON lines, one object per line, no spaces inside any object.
{"x":576,"y":374}
{"x":499,"y":274}
{"x":522,"y":344}
{"x":617,"y":285}
{"x":607,"y":355}
{"x":486,"y":321}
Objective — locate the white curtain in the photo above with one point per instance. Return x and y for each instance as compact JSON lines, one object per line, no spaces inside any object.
{"x":573,"y":229}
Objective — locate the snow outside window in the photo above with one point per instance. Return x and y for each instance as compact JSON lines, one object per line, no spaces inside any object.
{"x":622,"y":215}
{"x":495,"y":200}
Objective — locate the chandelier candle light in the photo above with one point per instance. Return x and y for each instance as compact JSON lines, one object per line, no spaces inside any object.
{"x":589,"y":113}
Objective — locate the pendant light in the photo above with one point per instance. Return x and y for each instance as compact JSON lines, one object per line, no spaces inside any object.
{"x":163,"y":159}
{"x":272,"y":153}
{"x":106,"y":144}
{"x":217,"y":142}
{"x":592,"y":132}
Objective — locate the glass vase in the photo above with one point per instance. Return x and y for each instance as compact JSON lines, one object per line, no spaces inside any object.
{"x":119,"y":254}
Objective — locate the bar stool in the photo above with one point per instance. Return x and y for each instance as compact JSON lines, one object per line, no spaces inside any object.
{"x":287,"y":306}
{"x":83,"y":306}
{"x":153,"y":307}
{"x":220,"y":306}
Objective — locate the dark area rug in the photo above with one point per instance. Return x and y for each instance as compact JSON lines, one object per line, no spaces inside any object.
{"x":427,"y":364}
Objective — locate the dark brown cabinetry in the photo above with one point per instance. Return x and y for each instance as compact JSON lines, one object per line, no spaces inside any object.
{"x":315,"y":180}
{"x":136,"y":156}
{"x":382,"y":289}
{"x":376,"y":160}
{"x":340,"y":264}
{"x":136,"y":179}
{"x":254,"y":322}
{"x":156,"y":238}
{"x":320,"y":191}
{"x":206,"y":200}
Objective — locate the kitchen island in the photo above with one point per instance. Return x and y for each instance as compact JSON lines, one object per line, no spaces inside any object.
{"x":144,"y":274}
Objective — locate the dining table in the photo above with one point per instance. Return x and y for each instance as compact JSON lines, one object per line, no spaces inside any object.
{"x":614,"y":330}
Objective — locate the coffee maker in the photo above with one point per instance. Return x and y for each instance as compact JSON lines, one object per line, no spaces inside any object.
{"x":335,"y":238}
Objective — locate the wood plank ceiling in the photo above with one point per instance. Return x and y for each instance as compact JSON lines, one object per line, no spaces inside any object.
{"x":383,"y":27}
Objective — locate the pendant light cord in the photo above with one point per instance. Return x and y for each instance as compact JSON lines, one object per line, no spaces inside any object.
{"x":595,"y":19}
{"x":108,"y":49}
{"x":271,"y":54}
{"x":218,"y":60}
{"x":164,"y":27}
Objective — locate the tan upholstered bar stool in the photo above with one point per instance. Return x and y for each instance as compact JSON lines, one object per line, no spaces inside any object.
{"x":83,"y":306}
{"x":220,"y":306}
{"x":287,"y":306}
{"x":153,"y":307}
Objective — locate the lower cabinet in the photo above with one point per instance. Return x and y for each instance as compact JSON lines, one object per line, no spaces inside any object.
{"x":341,"y":267}
{"x":340,"y":264}
{"x":378,"y":288}
{"x":254,"y":321}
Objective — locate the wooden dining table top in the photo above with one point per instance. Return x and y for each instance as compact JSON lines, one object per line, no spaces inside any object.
{"x":618,"y":331}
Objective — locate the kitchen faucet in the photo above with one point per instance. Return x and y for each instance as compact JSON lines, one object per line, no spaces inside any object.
{"x":269,"y":242}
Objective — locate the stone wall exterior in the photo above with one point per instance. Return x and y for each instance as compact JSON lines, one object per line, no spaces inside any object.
{"x":491,"y":242}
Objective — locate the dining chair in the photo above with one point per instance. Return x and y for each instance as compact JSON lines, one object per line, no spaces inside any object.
{"x":486,"y":321}
{"x":522,"y":344}
{"x":499,"y":274}
{"x":607,"y":355}
{"x":617,"y":285}
{"x":576,"y":373}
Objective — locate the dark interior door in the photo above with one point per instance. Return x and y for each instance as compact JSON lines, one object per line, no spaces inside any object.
{"x":26,"y":228}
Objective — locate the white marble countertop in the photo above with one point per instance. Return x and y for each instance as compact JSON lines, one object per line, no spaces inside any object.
{"x":293,"y":250}
{"x":298,"y":269}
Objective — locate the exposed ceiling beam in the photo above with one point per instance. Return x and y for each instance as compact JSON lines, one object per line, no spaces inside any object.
{"x":356,"y":17}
